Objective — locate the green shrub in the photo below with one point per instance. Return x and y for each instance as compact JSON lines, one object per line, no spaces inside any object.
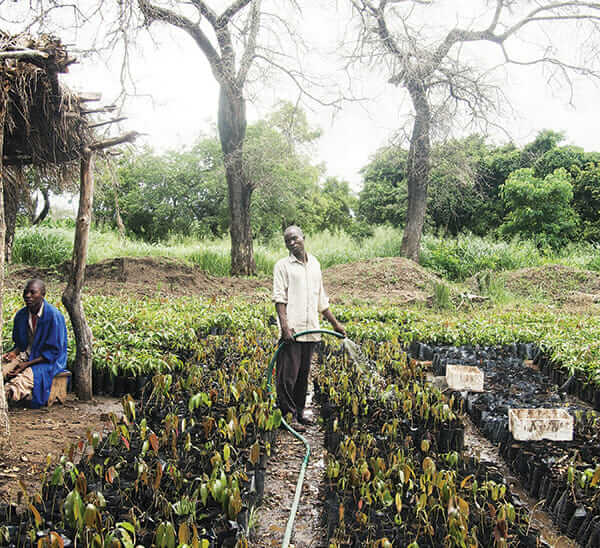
{"x":441,"y":296}
{"x":264,"y":262}
{"x":594,"y":263}
{"x":586,"y":200}
{"x":41,"y":247}
{"x":540,"y":209}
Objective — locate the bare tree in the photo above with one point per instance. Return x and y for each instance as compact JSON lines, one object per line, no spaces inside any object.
{"x":231,"y":76}
{"x":242,"y":42}
{"x":441,"y":77}
{"x":71,"y":296}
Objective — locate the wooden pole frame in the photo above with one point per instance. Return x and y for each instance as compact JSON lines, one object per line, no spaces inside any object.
{"x":71,"y":297}
{"x":4,"y":422}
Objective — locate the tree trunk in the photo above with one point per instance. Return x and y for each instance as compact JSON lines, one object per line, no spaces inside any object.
{"x":232,"y":130}
{"x":11,"y":194}
{"x":4,"y":424}
{"x":71,"y":298}
{"x":417,"y":173}
{"x":118,"y":218}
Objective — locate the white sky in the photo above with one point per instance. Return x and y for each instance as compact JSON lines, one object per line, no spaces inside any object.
{"x":181,"y":97}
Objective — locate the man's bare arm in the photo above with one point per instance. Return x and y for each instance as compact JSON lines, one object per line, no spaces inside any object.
{"x":287,"y":334}
{"x":24,"y":365}
{"x":337,"y":326}
{"x":11,"y":354}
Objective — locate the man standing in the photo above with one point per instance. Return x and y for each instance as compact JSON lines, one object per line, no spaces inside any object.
{"x":40,"y":351}
{"x":299,"y":296}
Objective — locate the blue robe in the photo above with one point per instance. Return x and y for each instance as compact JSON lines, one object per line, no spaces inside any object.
{"x":49,"y":342}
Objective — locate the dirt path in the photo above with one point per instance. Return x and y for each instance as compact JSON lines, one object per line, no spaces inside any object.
{"x":479,"y":446}
{"x":37,"y":433}
{"x":280,"y":485}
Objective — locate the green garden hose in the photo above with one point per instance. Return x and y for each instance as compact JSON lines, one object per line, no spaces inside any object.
{"x":290,"y":524}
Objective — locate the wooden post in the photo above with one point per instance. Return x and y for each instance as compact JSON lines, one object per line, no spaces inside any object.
{"x":71,"y":297}
{"x":4,"y":424}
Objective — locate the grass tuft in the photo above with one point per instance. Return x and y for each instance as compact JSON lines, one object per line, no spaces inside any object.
{"x":41,"y":247}
{"x":441,"y":296}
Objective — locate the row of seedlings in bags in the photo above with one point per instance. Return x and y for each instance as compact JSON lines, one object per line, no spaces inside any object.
{"x":184,"y":467}
{"x":584,"y":384}
{"x":565,"y":475}
{"x":132,"y":342}
{"x":396,"y":471}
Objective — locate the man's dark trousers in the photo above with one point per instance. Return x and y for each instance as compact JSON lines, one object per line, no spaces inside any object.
{"x":293,"y":367}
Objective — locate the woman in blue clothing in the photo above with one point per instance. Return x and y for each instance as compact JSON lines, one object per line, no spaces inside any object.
{"x":40,"y":351}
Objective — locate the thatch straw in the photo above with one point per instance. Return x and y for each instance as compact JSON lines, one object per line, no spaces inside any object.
{"x":44,"y":125}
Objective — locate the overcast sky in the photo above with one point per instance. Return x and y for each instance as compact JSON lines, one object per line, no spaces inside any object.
{"x":178,"y":95}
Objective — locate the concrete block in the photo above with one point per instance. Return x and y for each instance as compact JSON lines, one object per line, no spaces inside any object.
{"x":464,"y":377}
{"x":540,"y":424}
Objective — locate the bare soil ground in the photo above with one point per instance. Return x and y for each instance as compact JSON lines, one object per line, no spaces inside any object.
{"x":280,"y":486}
{"x":144,"y":276}
{"x":392,"y":280}
{"x":37,"y":433}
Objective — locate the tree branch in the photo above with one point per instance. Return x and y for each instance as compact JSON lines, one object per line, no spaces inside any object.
{"x":496,"y":18}
{"x":250,"y":50}
{"x":385,"y":34}
{"x":125,"y":138}
{"x":206,"y":11}
{"x":23,"y":54}
{"x":155,"y":13}
{"x":107,"y":122}
{"x":226,"y":16}
{"x":294,"y":77}
{"x":531,"y":16}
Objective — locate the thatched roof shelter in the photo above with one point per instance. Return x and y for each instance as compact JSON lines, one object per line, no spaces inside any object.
{"x":43,"y":124}
{"x":46,"y":124}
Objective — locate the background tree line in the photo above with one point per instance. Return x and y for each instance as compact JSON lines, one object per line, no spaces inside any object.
{"x":184,"y":192}
{"x":545,"y":191}
{"x":429,"y":51}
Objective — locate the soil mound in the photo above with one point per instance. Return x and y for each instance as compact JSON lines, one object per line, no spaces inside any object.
{"x":145,"y":276}
{"x":391,"y":279}
{"x":556,"y":282}
{"x":386,"y":279}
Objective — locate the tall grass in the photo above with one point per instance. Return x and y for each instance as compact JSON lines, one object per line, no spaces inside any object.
{"x":452,"y":258}
{"x":41,"y":247}
{"x":462,"y":257}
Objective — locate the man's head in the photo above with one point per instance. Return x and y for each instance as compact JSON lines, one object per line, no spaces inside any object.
{"x":34,"y":294}
{"x":294,"y":241}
